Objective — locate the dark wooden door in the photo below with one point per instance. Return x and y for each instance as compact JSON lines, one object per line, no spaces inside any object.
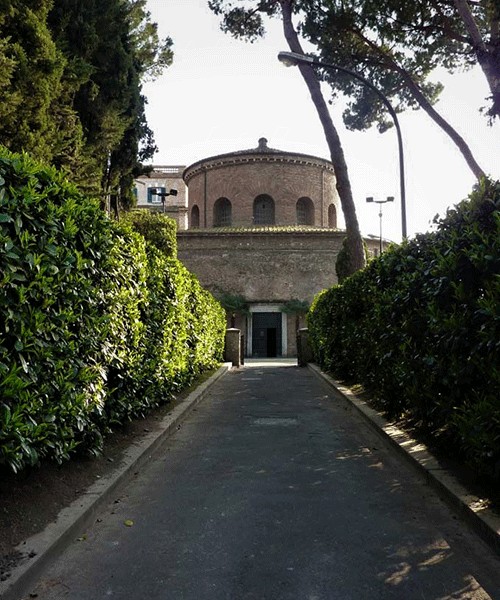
{"x":266,"y":334}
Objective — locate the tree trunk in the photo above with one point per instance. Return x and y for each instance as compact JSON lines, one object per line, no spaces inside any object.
{"x":488,"y":55}
{"x":490,"y":65}
{"x":445,"y":126}
{"x":115,"y":206}
{"x":354,"y":240}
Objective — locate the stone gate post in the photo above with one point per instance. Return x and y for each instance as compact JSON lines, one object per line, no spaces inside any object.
{"x":232,"y":350}
{"x":304,"y":352}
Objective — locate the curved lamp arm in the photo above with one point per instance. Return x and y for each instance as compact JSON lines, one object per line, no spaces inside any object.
{"x":290,"y":59}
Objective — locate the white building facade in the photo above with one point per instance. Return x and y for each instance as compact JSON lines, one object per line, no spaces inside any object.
{"x":150,"y":190}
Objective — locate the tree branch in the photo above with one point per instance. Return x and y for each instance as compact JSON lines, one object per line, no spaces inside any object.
{"x":424,"y":103}
{"x":470,"y":24}
{"x":495,"y":26}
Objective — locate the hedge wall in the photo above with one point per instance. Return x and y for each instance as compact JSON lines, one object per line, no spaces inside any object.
{"x":420,"y":327}
{"x":96,"y":323}
{"x":159,"y":230}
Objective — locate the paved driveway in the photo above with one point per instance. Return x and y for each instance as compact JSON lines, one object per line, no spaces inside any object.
{"x":274,"y":489}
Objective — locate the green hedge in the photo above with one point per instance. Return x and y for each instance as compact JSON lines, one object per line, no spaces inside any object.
{"x":158,"y":229}
{"x":96,"y":323}
{"x":420,"y":327}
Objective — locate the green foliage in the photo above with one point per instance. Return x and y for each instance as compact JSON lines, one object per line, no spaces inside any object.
{"x":372,"y":38}
{"x":109,"y":49}
{"x":71,"y":77}
{"x":153,"y":55}
{"x":295,"y":307}
{"x":184,"y":328}
{"x":395,"y":45}
{"x":31,"y":67}
{"x":234,"y":303}
{"x":96,"y":323}
{"x":420,"y":327}
{"x":343,"y":266}
{"x":158,"y":229}
{"x":244,"y":21}
{"x":53,"y":332}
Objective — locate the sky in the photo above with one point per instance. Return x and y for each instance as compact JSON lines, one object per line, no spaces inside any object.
{"x":221,"y":95}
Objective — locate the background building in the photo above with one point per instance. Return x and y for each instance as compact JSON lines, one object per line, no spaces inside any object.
{"x":262,"y":229}
{"x":261,"y":187}
{"x":163,"y":179}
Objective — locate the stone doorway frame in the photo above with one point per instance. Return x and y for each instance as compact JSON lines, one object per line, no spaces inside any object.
{"x":266,"y":308}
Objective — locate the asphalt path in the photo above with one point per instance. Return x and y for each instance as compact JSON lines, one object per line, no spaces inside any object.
{"x":274,"y":489}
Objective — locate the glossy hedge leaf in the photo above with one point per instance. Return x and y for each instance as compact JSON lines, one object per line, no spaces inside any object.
{"x":420,"y":326}
{"x":96,"y":324}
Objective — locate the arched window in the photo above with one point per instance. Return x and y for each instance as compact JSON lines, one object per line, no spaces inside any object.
{"x":222,"y":213}
{"x":263,"y":210}
{"x":305,"y":211}
{"x":195,"y":217}
{"x":332,"y":216}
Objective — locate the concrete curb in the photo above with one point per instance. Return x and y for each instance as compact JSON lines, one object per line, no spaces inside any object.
{"x":485,"y":522}
{"x":43,"y":547}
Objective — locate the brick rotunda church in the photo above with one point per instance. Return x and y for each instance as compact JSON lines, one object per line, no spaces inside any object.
{"x":262,"y":226}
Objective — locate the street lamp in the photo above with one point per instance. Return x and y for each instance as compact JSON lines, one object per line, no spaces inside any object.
{"x":389,"y":199}
{"x":290,"y":59}
{"x":163,"y":195}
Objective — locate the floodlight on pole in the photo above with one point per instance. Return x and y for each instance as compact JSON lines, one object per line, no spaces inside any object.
{"x":163,"y":195}
{"x":290,"y":59}
{"x":380,"y":202}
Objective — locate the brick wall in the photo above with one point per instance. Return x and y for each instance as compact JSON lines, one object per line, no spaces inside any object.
{"x":268,"y":267}
{"x":241,"y":178}
{"x":262,"y":266}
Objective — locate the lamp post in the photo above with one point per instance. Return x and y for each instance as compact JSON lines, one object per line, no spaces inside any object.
{"x":293,"y":58}
{"x":163,"y":195}
{"x":389,"y":199}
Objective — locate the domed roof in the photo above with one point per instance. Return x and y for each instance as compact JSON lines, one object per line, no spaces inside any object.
{"x":262,"y":147}
{"x":261,"y":151}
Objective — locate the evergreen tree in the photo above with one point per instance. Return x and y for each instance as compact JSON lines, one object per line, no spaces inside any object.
{"x":31,"y":67}
{"x":110,"y":48}
{"x":71,"y":75}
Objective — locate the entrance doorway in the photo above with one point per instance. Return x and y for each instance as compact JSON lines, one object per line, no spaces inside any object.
{"x":266,"y":334}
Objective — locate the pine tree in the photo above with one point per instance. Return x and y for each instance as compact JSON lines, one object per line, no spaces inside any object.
{"x":395,"y":46}
{"x":247,"y":22}
{"x":31,"y":68}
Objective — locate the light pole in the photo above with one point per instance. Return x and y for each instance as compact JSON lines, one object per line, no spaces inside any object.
{"x":389,"y":199}
{"x":163,"y":195}
{"x":293,"y":58}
